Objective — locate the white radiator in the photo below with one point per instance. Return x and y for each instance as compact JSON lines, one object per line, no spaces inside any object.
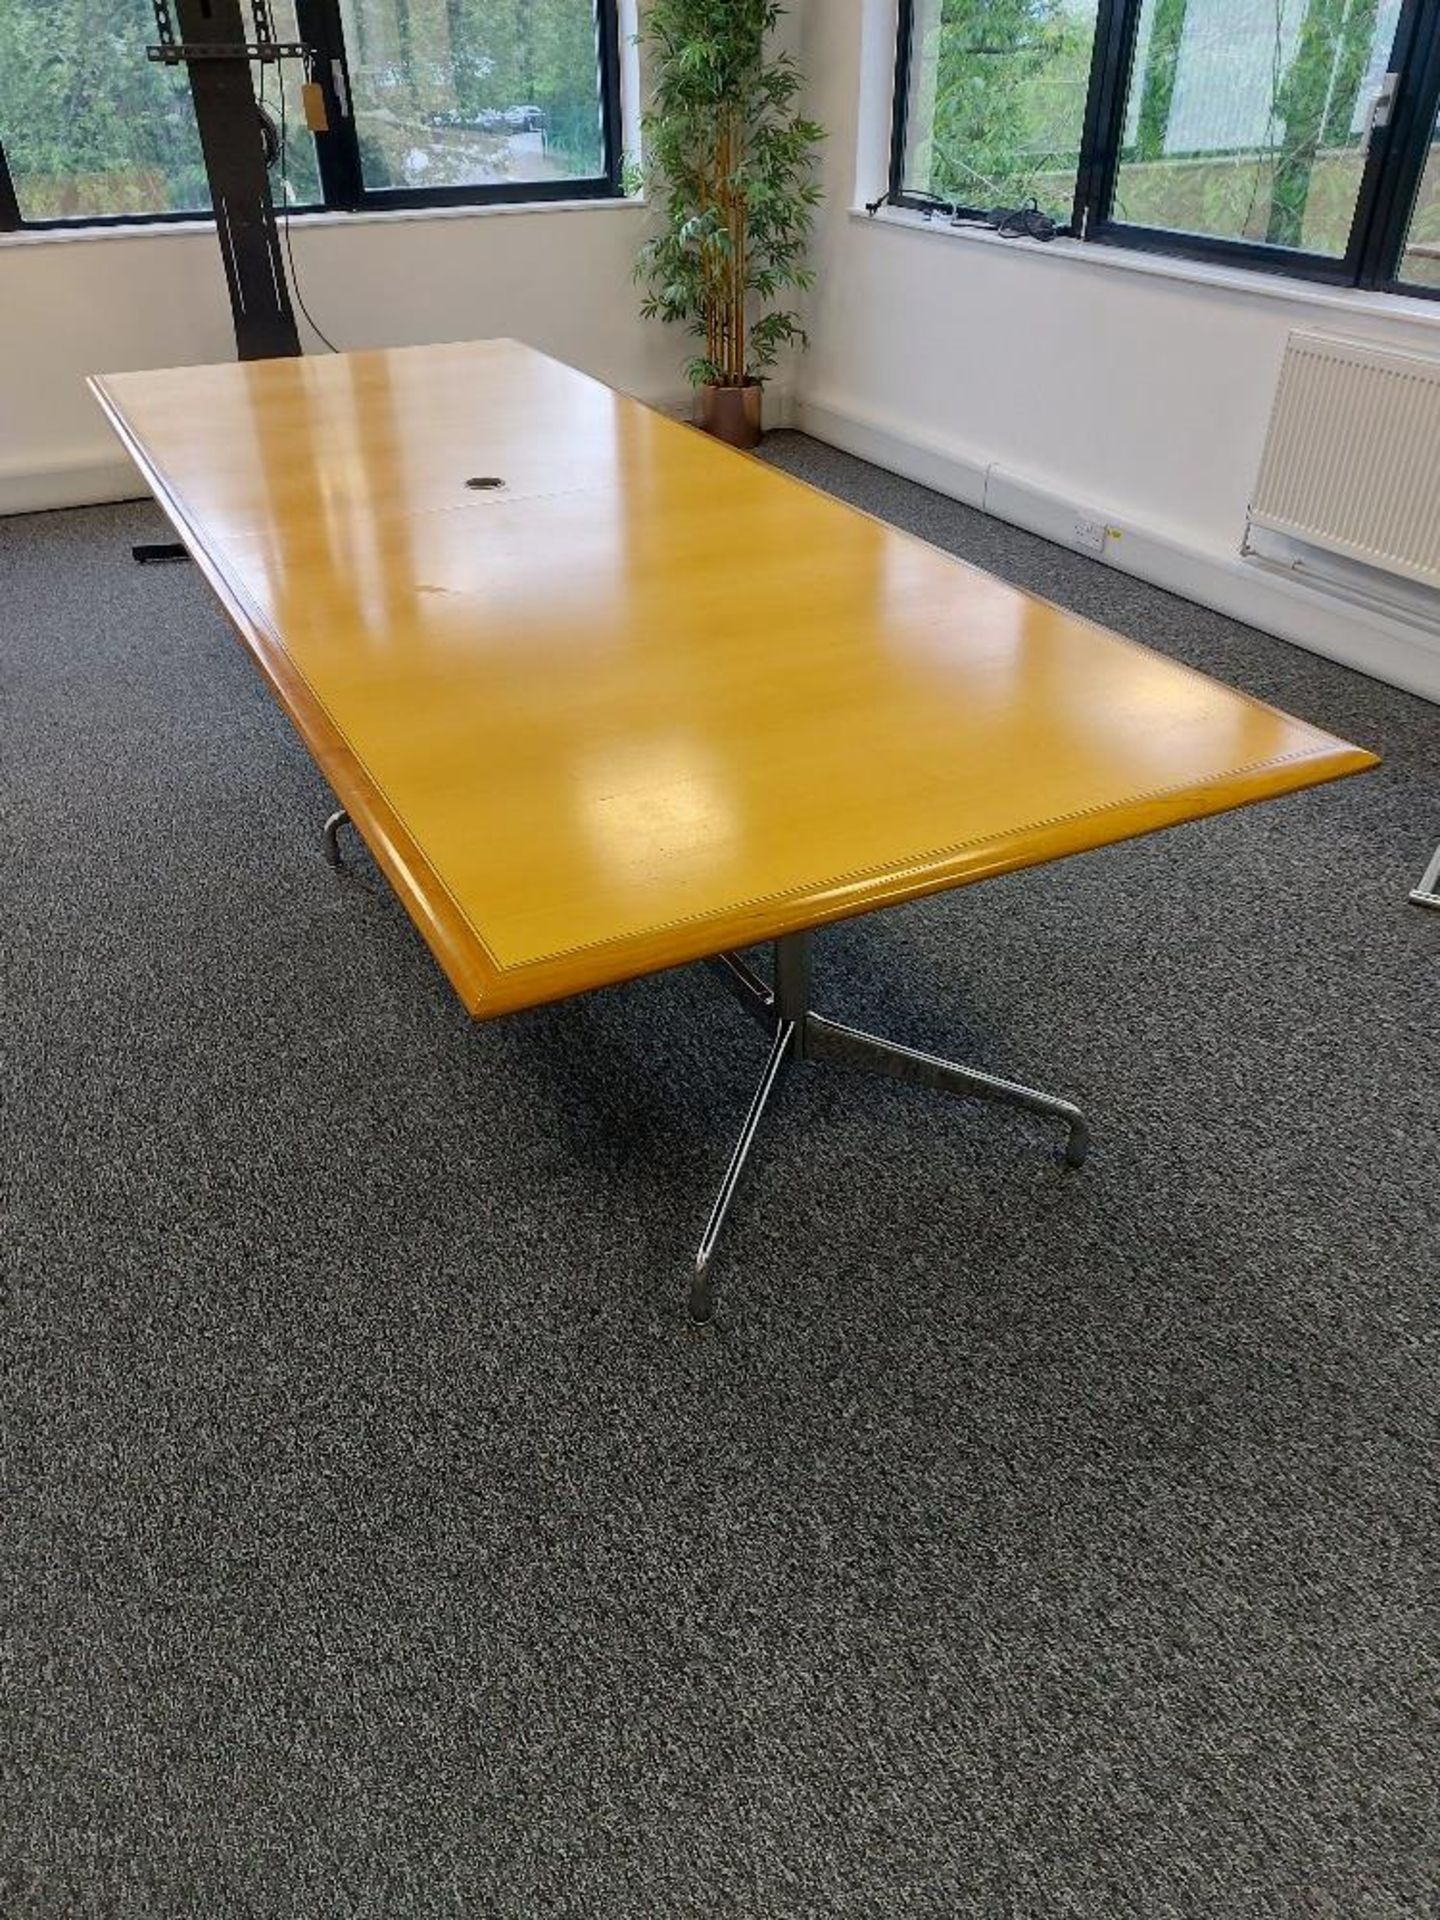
{"x":1352,"y":459}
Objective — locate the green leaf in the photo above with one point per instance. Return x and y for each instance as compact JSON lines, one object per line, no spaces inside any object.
{"x":730,"y":166}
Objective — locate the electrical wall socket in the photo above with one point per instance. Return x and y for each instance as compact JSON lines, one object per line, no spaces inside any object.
{"x":1091,"y":536}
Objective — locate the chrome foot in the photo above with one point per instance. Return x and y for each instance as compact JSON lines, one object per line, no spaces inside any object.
{"x":340,"y":818}
{"x":1427,"y":894}
{"x":782,"y":1049}
{"x":849,"y":1047}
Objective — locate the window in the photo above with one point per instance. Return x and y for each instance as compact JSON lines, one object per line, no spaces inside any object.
{"x":1248,"y":119}
{"x":1298,"y":135}
{"x":91,"y":129}
{"x":512,"y":96}
{"x":469,"y":101}
{"x":1420,"y":262}
{"x":997,"y":101}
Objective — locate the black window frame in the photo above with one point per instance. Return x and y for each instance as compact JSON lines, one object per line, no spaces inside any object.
{"x":1394,"y":165}
{"x":337,"y":151}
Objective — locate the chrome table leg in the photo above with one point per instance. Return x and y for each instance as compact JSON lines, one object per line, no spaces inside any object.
{"x":746,"y":985}
{"x":338,"y":819}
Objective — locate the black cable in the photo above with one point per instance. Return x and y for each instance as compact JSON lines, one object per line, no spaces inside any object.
{"x":323,"y":337}
{"x":933,"y":204}
{"x":1025,"y":222}
{"x":269,"y":134}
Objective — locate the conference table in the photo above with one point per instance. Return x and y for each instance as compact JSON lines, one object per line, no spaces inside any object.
{"x":603,"y":697}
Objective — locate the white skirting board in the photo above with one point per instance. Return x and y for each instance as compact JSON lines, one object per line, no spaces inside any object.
{"x":86,"y":480}
{"x":1396,"y":650}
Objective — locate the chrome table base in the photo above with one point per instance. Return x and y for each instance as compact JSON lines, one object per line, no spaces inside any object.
{"x":797,"y":1033}
{"x":1427,"y":894}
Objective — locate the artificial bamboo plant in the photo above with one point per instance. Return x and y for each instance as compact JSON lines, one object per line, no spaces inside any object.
{"x":729,"y":162}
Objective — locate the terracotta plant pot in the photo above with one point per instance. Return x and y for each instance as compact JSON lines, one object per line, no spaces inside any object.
{"x":732,"y":414}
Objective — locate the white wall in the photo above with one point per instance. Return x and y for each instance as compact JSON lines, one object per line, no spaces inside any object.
{"x":1043,"y":383}
{"x":106,"y":302}
{"x":102,"y":303}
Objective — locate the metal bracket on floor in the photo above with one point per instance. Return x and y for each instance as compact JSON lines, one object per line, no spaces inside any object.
{"x":798,"y":1033}
{"x":149,"y":553}
{"x":1427,"y":894}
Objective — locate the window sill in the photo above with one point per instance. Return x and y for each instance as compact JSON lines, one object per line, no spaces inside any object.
{"x":323,"y":217}
{"x":1242,"y":280}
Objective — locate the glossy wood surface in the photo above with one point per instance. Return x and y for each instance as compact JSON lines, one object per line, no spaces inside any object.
{"x":650,"y":699}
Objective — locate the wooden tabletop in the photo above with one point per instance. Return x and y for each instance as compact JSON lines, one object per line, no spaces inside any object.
{"x":650,"y":698}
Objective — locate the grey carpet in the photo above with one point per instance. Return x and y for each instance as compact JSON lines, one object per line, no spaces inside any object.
{"x":378,"y":1539}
